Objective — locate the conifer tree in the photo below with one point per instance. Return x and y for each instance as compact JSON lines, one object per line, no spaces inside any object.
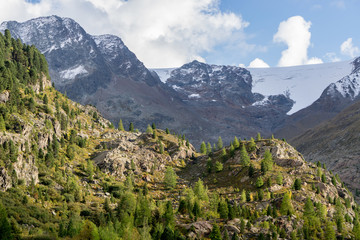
{"x":149,"y":129}
{"x":259,"y":182}
{"x":258,"y":137}
{"x":267,"y":162}
{"x":236,"y":143}
{"x":203,"y":148}
{"x":297,"y":184}
{"x":251,"y":170}
{"x":209,"y":148}
{"x":244,"y":157}
{"x":5,"y":227}
{"x":279,"y":179}
{"x":218,"y":166}
{"x":153,"y":126}
{"x":121,"y":126}
{"x":329,"y":231}
{"x":2,"y":123}
{"x":286,"y":205}
{"x":131,"y":127}
{"x":220,"y":144}
{"x":200,"y":191}
{"x":215,"y":233}
{"x":167,"y":131}
{"x":251,"y":145}
{"x":170,"y":178}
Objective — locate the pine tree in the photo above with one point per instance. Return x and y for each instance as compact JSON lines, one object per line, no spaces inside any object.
{"x":244,"y":157}
{"x":169,"y":215}
{"x":329,"y":231}
{"x":2,"y":123}
{"x":121,"y":126}
{"x":200,"y":191}
{"x":149,"y":129}
{"x":279,"y":179}
{"x":297,"y":184}
{"x":251,"y":145}
{"x":259,"y":182}
{"x":215,"y":233}
{"x":5,"y":227}
{"x":167,"y":131}
{"x":220,"y":144}
{"x":209,"y":148}
{"x":161,"y":147}
{"x":45,"y":99}
{"x":131,"y":127}
{"x":203,"y":148}
{"x":235,"y":236}
{"x":286,"y":205}
{"x":251,"y":170}
{"x":309,"y":208}
{"x":153,"y":126}
{"x":218,"y":166}
{"x":236,"y":142}
{"x":267,"y":162}
{"x":258,"y":137}
{"x":170,"y":178}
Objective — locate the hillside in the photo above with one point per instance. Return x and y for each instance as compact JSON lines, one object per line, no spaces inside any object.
{"x":335,"y":143}
{"x":67,"y":173}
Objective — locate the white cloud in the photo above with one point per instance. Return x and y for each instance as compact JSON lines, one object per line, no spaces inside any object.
{"x":242,"y":65}
{"x":162,"y":33}
{"x":258,"y":63}
{"x":294,"y":32}
{"x":314,"y":60}
{"x":332,"y":57}
{"x":347,"y":48}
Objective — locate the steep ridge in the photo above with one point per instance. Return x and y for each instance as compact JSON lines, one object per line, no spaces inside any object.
{"x":101,"y":71}
{"x":335,"y":98}
{"x":335,"y":143}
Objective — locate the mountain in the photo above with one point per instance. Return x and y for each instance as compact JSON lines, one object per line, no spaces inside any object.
{"x":335,"y":98}
{"x":223,"y":95}
{"x":102,"y":71}
{"x":66,"y":173}
{"x":335,"y":143}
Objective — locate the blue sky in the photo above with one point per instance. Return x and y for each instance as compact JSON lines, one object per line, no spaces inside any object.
{"x":169,"y":33}
{"x":332,"y":23}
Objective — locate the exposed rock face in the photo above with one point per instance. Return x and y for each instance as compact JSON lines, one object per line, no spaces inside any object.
{"x":4,"y":96}
{"x":5,"y":180}
{"x":26,"y":170}
{"x":128,"y":152}
{"x":198,"y":229}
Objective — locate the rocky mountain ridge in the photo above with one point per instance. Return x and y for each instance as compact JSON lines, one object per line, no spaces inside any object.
{"x":101,"y":71}
{"x":67,"y":173}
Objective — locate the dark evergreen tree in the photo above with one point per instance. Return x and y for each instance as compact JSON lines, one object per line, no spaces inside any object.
{"x":215,"y":233}
{"x":5,"y":227}
{"x":131,"y":127}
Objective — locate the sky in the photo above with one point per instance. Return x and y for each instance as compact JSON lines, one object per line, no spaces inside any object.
{"x":256,"y":33}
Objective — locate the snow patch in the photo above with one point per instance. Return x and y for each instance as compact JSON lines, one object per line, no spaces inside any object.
{"x":194,"y":95}
{"x":304,"y":83}
{"x":73,"y":72}
{"x":176,"y":88}
{"x":263,"y":102}
{"x":163,"y":73}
